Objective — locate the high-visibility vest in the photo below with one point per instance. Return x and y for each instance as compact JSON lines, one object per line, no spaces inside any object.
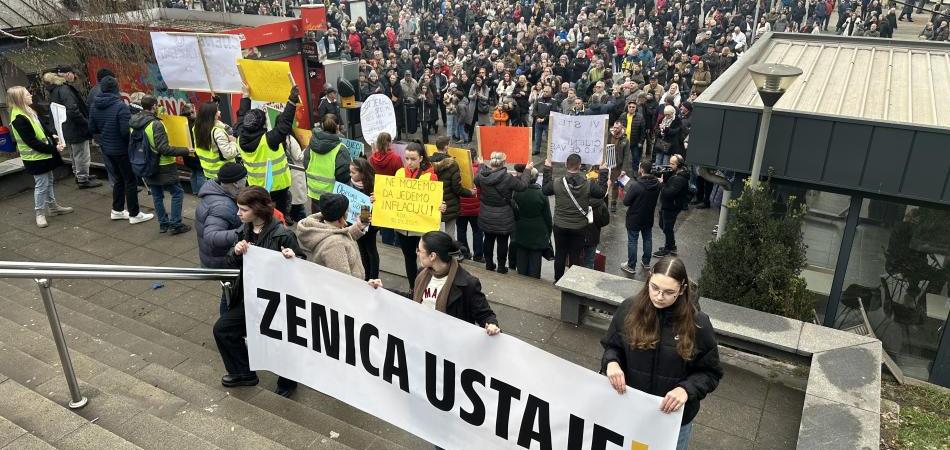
{"x":26,"y":152}
{"x":321,"y":172}
{"x":211,"y":161}
{"x":256,"y":165}
{"x":163,"y":160}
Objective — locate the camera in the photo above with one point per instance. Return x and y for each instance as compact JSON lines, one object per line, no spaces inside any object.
{"x":661,"y":170}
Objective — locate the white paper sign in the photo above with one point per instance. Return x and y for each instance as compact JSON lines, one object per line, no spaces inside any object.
{"x":221,"y":53}
{"x":59,"y":118}
{"x":179,"y":59}
{"x":376,"y":116}
{"x":583,"y":135}
{"x":431,"y":374}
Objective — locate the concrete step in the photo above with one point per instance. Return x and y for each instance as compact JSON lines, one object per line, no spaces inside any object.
{"x":48,"y":425}
{"x":12,"y":436}
{"x":326,"y":415}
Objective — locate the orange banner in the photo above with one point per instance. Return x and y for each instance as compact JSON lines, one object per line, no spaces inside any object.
{"x":513,"y":141}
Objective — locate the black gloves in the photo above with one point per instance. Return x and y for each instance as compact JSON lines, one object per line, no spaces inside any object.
{"x":294,"y":95}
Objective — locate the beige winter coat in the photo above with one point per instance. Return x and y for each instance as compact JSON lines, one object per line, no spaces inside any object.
{"x":331,"y":247}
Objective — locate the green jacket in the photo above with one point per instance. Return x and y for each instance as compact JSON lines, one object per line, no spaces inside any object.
{"x":533,"y":224}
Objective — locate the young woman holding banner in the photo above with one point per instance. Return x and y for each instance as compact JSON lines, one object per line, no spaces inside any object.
{"x":659,"y":343}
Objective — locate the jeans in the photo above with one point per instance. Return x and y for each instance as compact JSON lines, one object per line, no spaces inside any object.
{"x":451,"y":126}
{"x":489,"y":244}
{"x":158,"y":197}
{"x":79,"y":153}
{"x":667,"y":221}
{"x":682,"y":442}
{"x":124,"y":184}
{"x":568,"y":248}
{"x":462,"y":132}
{"x":632,"y":238}
{"x":478,"y":238}
{"x":661,"y":159}
{"x":540,"y":129}
{"x":197,"y":180}
{"x":43,"y":192}
{"x":450,"y":228}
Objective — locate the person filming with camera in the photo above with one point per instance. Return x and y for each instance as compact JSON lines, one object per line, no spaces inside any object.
{"x":674,"y":193}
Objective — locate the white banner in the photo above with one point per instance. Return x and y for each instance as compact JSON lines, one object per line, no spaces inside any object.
{"x":583,"y":135}
{"x":183,"y":58}
{"x":435,"y":376}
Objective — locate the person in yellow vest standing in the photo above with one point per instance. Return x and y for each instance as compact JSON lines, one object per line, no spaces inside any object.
{"x":39,"y":153}
{"x":214,"y":144}
{"x":165,"y":178}
{"x":327,"y":162}
{"x":263,"y":150}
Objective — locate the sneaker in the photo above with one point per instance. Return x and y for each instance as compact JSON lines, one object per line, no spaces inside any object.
{"x":626,"y":268}
{"x":88,"y":184}
{"x":141,"y":217}
{"x":661,"y":253}
{"x":673,"y":251}
{"x":116,"y":215}
{"x":57,"y":210}
{"x":163,"y":228}
{"x":179,"y":228}
{"x":645,"y":267}
{"x":41,"y":221}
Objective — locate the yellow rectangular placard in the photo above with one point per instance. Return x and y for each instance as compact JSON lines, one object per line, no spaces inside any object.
{"x":176,"y":127}
{"x":464,"y":159}
{"x":407,"y":203}
{"x":430,"y":149}
{"x":268,"y":81}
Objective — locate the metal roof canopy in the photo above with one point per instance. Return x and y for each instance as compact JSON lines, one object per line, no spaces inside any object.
{"x":175,"y":17}
{"x":27,"y":13}
{"x":868,"y":116}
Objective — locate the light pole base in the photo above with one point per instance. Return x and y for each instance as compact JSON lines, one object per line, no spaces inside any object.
{"x":79,"y":404}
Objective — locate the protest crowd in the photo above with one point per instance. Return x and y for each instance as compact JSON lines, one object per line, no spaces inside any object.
{"x":449,"y":68}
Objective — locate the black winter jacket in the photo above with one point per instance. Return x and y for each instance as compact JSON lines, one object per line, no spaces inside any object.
{"x":447,"y":169}
{"x":673,"y":190}
{"x":109,"y":120}
{"x":24,"y":129}
{"x":495,"y":188}
{"x":660,"y":370}
{"x":640,"y":198}
{"x":76,"y":127}
{"x":467,"y":301}
{"x":249,"y":139}
{"x":217,"y":225}
{"x":272,"y":237}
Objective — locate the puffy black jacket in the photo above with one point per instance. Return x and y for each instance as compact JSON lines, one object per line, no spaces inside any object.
{"x":273,"y":236}
{"x":640,"y":199}
{"x":661,"y":369}
{"x":76,"y":127}
{"x":674,"y":190}
{"x":217,"y":225}
{"x":447,"y":169}
{"x":109,"y":119}
{"x":495,"y":188}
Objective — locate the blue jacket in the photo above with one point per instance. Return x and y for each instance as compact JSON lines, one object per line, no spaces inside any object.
{"x":217,"y":225}
{"x":109,"y":120}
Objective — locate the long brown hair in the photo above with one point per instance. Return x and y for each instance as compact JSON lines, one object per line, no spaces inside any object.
{"x":642,"y":324}
{"x":204,"y":124}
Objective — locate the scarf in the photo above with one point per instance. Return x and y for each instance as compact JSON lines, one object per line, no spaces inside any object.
{"x":422,"y":280}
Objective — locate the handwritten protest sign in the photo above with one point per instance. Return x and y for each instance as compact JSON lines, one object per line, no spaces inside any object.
{"x":221,"y":53}
{"x":357,"y":200}
{"x":407,"y":203}
{"x":515,"y":142}
{"x":355,"y":147}
{"x":268,"y":81}
{"x":184,"y":60}
{"x":376,"y":116}
{"x":176,"y":127}
{"x":583,"y":135}
{"x":59,"y":118}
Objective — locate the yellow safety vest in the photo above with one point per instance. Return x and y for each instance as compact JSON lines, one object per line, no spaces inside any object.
{"x":26,"y":152}
{"x":321,"y":172}
{"x":256,"y":165}
{"x":211,"y":161}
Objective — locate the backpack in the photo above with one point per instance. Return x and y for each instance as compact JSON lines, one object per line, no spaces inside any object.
{"x":144,"y":160}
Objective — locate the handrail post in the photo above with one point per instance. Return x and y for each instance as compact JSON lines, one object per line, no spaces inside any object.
{"x":77,"y":400}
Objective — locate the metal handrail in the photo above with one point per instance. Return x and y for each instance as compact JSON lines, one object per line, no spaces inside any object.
{"x":44,"y":273}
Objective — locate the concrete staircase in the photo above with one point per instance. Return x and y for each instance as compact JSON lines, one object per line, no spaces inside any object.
{"x":150,"y":388}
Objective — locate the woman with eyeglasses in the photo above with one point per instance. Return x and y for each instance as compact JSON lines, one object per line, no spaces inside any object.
{"x":659,"y":343}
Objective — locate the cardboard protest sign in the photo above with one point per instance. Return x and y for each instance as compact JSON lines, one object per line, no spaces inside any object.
{"x":407,"y":203}
{"x":176,"y":127}
{"x":584,"y":135}
{"x":184,"y":60}
{"x":357,"y":200}
{"x":515,"y":142}
{"x":354,"y":147}
{"x":221,"y":53}
{"x":376,"y":116}
{"x":464,"y":159}
{"x":59,"y":118}
{"x":268,"y":81}
{"x":431,"y":374}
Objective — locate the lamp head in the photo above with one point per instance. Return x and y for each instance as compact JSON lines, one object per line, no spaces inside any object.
{"x":772,"y":80}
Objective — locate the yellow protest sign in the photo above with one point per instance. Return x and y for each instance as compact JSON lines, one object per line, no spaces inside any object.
{"x":464,"y":160}
{"x":268,"y":81}
{"x":430,"y":149}
{"x":176,"y":127}
{"x":407,"y":203}
{"x":303,"y":137}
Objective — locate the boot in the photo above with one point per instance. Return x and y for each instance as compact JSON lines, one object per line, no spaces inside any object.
{"x":57,"y":210}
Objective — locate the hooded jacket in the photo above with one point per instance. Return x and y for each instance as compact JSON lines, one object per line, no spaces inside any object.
{"x":249,"y":139}
{"x":167,"y":174}
{"x":109,"y":119}
{"x":496,"y":187}
{"x":331,"y":247}
{"x":640,"y":198}
{"x":385,"y":163}
{"x":76,"y":127}
{"x":322,"y":143}
{"x":216,"y":225}
{"x":447,"y":169}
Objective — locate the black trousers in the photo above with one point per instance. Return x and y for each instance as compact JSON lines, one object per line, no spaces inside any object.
{"x":125,"y":184}
{"x":369,"y":254}
{"x":229,"y":333}
{"x":488,"y":247}
{"x":667,"y":221}
{"x":409,"y":244}
{"x":568,"y":248}
{"x":529,"y":262}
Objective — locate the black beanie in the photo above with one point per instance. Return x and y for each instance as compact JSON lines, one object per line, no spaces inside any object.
{"x":110,"y":85}
{"x":231,"y":172}
{"x":333,"y":206}
{"x":102,"y":73}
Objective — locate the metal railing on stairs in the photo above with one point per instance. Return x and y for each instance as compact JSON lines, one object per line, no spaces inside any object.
{"x":44,"y":274}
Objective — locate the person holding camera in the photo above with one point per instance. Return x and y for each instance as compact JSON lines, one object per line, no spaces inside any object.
{"x":674,"y":193}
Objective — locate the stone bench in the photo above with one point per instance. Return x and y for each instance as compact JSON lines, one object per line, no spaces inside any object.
{"x":843,"y":395}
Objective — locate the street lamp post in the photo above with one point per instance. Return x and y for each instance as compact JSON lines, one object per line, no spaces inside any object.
{"x":771,"y":80}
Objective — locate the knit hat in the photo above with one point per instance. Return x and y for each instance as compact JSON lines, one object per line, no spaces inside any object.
{"x":102,"y":73}
{"x":254,"y":120}
{"x":110,"y":85}
{"x":231,"y":172}
{"x":333,"y":206}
